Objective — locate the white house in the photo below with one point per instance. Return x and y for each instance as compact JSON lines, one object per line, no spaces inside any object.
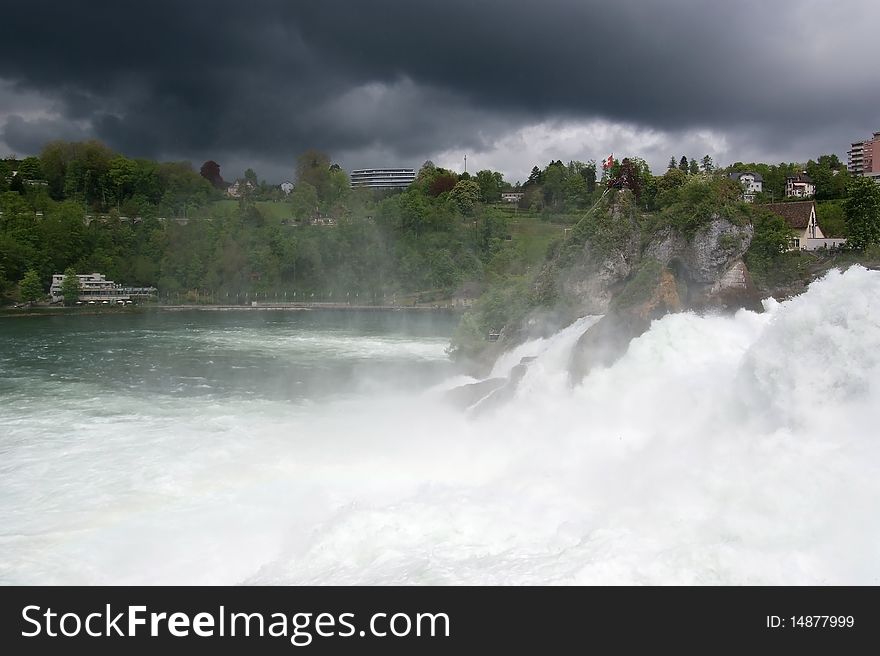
{"x":801,"y":218}
{"x":799,"y":186}
{"x":511,"y":196}
{"x":751,"y":183}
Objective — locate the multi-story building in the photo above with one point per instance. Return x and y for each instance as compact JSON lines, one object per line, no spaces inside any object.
{"x":800,"y":186}
{"x":752,"y":183}
{"x":860,"y":160}
{"x":382,"y":178}
{"x":95,"y":287}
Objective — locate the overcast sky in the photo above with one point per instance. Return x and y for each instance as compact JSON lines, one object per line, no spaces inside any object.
{"x":510,"y":84}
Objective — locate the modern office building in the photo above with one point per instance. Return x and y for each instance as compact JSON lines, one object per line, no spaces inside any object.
{"x":382,"y":178}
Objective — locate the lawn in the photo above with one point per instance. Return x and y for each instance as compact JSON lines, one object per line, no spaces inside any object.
{"x":535,"y":235}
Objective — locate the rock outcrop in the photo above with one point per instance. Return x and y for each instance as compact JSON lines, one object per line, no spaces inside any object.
{"x":708,"y":266}
{"x":632,"y":275}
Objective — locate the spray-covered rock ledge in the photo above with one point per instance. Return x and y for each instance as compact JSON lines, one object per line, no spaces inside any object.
{"x":634,"y":268}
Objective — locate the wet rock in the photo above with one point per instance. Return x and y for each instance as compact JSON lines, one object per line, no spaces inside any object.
{"x":467,"y":395}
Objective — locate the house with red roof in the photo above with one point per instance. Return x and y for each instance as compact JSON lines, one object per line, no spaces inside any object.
{"x":800,"y":216}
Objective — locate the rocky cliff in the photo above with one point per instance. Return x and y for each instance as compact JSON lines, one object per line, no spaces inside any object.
{"x":631,"y":269}
{"x":633,"y":272}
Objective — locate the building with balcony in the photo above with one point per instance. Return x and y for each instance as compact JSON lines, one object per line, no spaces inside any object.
{"x":751,"y":183}
{"x":860,"y":158}
{"x":96,"y":287}
{"x":382,"y":178}
{"x":799,"y":186}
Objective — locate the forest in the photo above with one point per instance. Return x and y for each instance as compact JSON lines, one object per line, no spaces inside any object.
{"x":82,"y":206}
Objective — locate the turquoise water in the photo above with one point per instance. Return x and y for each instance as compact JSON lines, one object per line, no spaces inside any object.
{"x":293,"y":356}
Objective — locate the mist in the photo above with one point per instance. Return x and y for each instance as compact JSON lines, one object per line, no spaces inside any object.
{"x":718,"y":450}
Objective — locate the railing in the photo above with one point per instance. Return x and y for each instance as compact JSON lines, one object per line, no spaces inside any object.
{"x":822,"y":244}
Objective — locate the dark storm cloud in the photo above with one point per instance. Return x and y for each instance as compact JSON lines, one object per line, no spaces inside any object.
{"x":264,"y":80}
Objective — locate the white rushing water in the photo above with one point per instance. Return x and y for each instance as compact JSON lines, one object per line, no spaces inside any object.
{"x":719,"y":450}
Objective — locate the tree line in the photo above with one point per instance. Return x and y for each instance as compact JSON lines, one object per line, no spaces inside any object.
{"x":83,"y":206}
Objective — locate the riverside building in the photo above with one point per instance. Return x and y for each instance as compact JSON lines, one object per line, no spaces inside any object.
{"x":96,"y":287}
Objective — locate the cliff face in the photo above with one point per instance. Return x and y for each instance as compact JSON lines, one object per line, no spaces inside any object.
{"x":632,"y":277}
{"x":630,"y":270}
{"x":591,"y":277}
{"x":708,"y":266}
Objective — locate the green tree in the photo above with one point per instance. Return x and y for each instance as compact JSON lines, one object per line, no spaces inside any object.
{"x":31,"y":168}
{"x":491,"y":183}
{"x":30,"y":287}
{"x":668,"y":184}
{"x":536,"y":177}
{"x":338,"y":188}
{"x":303,"y":200}
{"x":706,"y":165}
{"x":683,"y":164}
{"x":313,"y":167}
{"x":122,"y":173}
{"x":863,"y":212}
{"x":554,"y":185}
{"x":465,"y":194}
{"x":832,"y":219}
{"x":70,"y":286}
{"x":772,"y":236}
{"x":830,"y":177}
{"x":693,"y":167}
{"x":588,"y":172}
{"x":671,"y":164}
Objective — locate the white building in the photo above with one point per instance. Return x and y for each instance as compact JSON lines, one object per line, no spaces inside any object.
{"x":92,"y":287}
{"x":752,"y":183}
{"x":512,"y":196}
{"x":799,"y":186}
{"x":382,"y":178}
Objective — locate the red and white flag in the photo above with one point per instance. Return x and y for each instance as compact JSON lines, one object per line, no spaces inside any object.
{"x":608,"y":163}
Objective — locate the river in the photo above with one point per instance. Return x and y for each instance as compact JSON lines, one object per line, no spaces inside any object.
{"x":317,"y":447}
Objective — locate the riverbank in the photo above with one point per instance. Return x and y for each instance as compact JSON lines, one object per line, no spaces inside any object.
{"x":60,"y":310}
{"x":56,"y":310}
{"x":314,"y":306}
